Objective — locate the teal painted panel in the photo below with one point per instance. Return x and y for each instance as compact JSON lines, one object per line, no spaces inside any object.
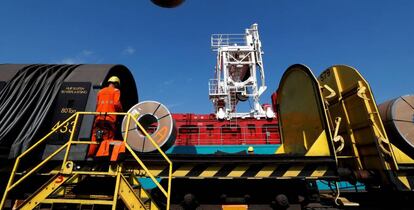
{"x":212,"y":149}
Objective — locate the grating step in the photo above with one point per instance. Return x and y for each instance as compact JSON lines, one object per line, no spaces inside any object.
{"x":45,"y":207}
{"x":86,"y":207}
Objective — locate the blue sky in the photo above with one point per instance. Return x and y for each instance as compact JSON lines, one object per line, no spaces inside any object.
{"x":168,"y":50}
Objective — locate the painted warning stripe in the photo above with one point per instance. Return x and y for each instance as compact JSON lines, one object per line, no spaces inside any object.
{"x":225,"y":170}
{"x":238,"y":171}
{"x":266,"y":171}
{"x":410,"y":181}
{"x":307,"y":170}
{"x":156,"y":170}
{"x":197,"y":170}
{"x":293,"y":171}
{"x":252,"y":171}
{"x":164,"y":173}
{"x":405,"y":182}
{"x":182,"y":170}
{"x":205,"y":170}
{"x":319,"y":171}
{"x":210,"y":171}
{"x":280,"y":170}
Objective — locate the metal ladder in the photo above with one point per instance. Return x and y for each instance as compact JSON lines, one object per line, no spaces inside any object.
{"x":58,"y":190}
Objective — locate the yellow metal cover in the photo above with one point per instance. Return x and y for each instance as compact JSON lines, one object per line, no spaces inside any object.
{"x":349,"y":96}
{"x":302,"y":117}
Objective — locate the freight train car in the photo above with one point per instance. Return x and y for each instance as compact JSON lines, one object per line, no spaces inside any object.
{"x":327,"y":130}
{"x":330,"y":130}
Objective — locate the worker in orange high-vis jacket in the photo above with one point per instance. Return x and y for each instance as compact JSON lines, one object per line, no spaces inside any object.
{"x":104,"y":127}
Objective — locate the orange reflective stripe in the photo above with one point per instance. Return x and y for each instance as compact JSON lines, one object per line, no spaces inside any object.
{"x":119,"y":148}
{"x":103,"y":150}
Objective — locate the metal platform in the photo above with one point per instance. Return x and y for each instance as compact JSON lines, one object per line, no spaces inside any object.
{"x":63,"y":181}
{"x":241,"y":166}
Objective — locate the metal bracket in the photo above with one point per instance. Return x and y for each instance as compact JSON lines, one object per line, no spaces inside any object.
{"x":68,"y":167}
{"x":332,"y":93}
{"x":361,"y":92}
{"x":338,"y":138}
{"x":337,"y":194}
{"x":382,"y":140}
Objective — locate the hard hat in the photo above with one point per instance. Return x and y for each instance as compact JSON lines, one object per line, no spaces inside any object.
{"x":114,"y":79}
{"x":250,"y":149}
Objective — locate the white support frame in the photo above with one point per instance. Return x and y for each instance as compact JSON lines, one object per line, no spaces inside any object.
{"x":226,"y":85}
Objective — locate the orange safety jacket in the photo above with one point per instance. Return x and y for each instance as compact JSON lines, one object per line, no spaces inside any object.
{"x":108,"y":101}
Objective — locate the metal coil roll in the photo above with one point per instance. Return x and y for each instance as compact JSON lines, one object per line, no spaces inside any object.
{"x":156,"y":120}
{"x":398,"y":118}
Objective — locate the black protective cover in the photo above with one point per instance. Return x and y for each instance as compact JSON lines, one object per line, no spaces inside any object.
{"x":35,"y":97}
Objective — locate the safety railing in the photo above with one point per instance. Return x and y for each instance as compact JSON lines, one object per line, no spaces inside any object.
{"x":66,"y":147}
{"x":223,"y":40}
{"x":11,"y":184}
{"x":214,"y":89}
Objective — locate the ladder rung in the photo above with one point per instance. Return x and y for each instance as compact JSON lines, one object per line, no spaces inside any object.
{"x":79,"y":201}
{"x":345,"y":157}
{"x":95,"y":173}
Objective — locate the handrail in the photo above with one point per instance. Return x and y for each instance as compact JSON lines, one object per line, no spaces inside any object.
{"x":38,"y":166}
{"x":168,"y":193}
{"x":69,"y":143}
{"x":10,"y":186}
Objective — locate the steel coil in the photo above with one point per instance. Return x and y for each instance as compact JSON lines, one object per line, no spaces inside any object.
{"x":398,"y":118}
{"x":157,"y":121}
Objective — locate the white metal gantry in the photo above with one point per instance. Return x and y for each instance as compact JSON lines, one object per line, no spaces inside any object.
{"x":239,"y":58}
